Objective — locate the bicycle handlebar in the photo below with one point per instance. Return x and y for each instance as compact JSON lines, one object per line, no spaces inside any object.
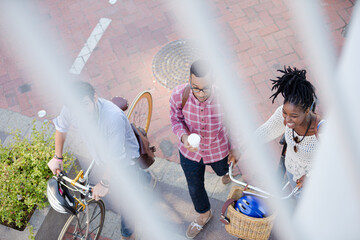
{"x":259,"y":190}
{"x":61,"y":176}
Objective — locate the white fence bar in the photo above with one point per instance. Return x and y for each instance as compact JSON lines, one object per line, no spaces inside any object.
{"x":336,"y":170}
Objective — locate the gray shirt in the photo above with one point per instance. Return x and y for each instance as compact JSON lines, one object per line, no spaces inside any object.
{"x":114,"y":128}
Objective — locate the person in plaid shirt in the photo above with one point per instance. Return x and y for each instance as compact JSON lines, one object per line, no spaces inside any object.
{"x":202,"y":115}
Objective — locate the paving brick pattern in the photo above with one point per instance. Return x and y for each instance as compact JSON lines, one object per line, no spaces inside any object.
{"x":259,"y":33}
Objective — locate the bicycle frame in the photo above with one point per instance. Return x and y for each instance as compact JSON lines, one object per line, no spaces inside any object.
{"x":82,"y":178}
{"x":88,"y":217}
{"x":259,"y":190}
{"x":82,"y":187}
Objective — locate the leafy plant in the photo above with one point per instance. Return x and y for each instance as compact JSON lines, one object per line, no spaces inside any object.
{"x":31,"y":230}
{"x":24,"y":174}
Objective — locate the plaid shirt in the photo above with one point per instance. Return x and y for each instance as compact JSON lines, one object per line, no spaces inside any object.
{"x":203,"y":118}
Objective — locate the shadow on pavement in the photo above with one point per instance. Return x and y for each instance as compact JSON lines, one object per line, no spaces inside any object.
{"x":178,"y":206}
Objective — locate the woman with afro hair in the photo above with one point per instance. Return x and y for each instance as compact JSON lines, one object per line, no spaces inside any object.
{"x":297,"y":120}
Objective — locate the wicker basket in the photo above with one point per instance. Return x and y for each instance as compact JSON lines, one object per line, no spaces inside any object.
{"x":245,"y":227}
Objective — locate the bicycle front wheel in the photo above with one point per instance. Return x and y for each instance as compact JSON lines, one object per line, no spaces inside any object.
{"x":140,"y":110}
{"x":76,"y":226}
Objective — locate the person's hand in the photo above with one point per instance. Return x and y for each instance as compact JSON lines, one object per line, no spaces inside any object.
{"x":234,"y":156}
{"x":300,"y":181}
{"x":55,"y":164}
{"x":184,"y":139}
{"x":99,"y":191}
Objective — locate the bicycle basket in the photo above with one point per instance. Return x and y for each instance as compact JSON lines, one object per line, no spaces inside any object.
{"x":59,"y":197}
{"x":243,"y":226}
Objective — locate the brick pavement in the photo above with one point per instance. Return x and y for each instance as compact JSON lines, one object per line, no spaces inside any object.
{"x":259,"y":33}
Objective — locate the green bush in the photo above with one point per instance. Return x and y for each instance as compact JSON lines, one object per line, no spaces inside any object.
{"x":24,"y":174}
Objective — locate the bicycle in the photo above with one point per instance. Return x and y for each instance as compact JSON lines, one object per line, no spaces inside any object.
{"x":87,"y":215}
{"x":241,"y":225}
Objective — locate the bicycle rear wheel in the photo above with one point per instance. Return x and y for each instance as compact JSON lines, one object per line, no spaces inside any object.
{"x":76,"y":227}
{"x":140,"y":110}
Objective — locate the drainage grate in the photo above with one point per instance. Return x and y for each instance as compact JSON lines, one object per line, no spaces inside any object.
{"x":171,"y":65}
{"x":24,"y":88}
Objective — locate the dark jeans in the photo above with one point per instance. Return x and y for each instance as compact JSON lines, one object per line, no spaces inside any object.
{"x":293,"y":185}
{"x":194,"y":173}
{"x":126,"y":231}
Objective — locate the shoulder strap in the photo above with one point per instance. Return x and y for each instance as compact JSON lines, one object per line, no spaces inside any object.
{"x":317,"y":124}
{"x":185,"y":95}
{"x":223,"y":218}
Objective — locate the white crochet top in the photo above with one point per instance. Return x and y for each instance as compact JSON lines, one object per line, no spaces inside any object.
{"x":297,"y":163}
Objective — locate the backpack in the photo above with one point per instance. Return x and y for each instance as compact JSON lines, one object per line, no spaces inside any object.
{"x":147,"y":156}
{"x":185,"y":96}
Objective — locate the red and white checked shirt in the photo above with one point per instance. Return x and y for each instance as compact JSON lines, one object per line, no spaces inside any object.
{"x":204,"y":118}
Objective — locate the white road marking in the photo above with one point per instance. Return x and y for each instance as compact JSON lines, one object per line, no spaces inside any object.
{"x":90,"y":45}
{"x":112,"y":1}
